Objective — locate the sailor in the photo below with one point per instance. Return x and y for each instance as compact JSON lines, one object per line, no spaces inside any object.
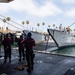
{"x":29,"y":43}
{"x":21,"y":48}
{"x":7,"y":42}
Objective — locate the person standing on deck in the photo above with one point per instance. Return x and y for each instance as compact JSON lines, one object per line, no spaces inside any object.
{"x":29,"y":43}
{"x":7,"y":42}
{"x":21,"y":48}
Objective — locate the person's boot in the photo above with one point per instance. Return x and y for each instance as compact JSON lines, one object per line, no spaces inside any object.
{"x":28,"y":70}
{"x":23,"y":58}
{"x":9,"y":60}
{"x":5,"y":61}
{"x":19,"y":59}
{"x":32,"y":68}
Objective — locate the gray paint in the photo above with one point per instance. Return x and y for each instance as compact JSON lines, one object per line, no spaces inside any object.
{"x":38,"y":37}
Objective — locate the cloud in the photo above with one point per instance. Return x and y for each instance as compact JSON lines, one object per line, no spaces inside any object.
{"x":3,"y":8}
{"x":70,"y":13}
{"x":69,"y":1}
{"x":32,"y":7}
{"x":48,"y":9}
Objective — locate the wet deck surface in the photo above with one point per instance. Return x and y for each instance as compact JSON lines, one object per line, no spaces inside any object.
{"x":44,"y":64}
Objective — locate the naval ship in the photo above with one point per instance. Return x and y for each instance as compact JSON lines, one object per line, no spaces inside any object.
{"x":62,"y":38}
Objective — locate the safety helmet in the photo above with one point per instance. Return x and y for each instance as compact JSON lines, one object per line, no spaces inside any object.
{"x":29,"y":34}
{"x":7,"y":35}
{"x":22,"y":36}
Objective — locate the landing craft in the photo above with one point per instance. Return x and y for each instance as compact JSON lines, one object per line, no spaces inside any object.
{"x":62,"y":38}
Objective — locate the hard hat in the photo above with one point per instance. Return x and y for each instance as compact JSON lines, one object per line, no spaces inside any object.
{"x":29,"y":34}
{"x":7,"y":35}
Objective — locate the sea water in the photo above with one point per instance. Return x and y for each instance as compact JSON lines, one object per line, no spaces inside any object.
{"x":69,"y":51}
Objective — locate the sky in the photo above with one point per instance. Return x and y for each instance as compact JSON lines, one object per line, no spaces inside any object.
{"x":38,"y":11}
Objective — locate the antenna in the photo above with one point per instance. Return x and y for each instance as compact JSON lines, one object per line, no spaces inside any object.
{"x":72,"y":24}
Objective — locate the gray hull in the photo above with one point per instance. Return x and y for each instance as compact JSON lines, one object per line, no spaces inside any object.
{"x":38,"y":37}
{"x":61,"y":38}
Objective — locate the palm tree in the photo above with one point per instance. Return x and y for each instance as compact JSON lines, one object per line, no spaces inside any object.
{"x":27,"y":22}
{"x":53,"y":25}
{"x":43,"y":23}
{"x":38,"y":25}
{"x":49,"y":26}
{"x":23,"y":23}
{"x":8,"y":19}
{"x":4,"y":20}
{"x":56,"y":27}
